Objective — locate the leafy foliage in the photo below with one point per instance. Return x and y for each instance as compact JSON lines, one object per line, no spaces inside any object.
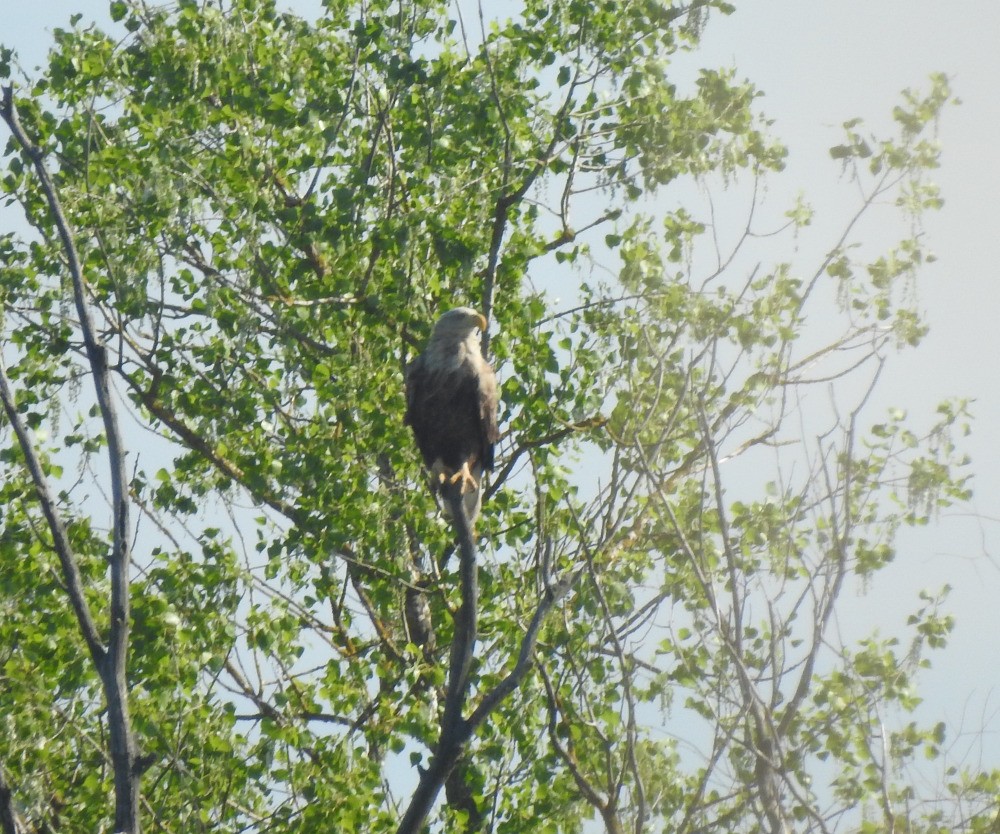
{"x":269,"y":214}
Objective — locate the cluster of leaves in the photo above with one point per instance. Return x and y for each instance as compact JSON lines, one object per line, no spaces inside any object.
{"x":269,"y":214}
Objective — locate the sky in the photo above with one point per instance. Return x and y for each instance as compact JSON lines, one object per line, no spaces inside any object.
{"x":820,"y":63}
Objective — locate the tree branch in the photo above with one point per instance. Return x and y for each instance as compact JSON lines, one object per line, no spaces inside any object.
{"x":8,"y":816}
{"x":631,"y":733}
{"x":506,"y":687}
{"x":455,"y":731}
{"x":111,"y":664}
{"x":60,"y":539}
{"x":564,"y":750}
{"x":463,"y":644}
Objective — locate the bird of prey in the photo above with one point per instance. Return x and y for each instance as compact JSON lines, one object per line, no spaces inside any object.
{"x":451,"y":405}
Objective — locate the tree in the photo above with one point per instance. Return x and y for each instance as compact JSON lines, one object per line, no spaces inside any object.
{"x":229,"y":602}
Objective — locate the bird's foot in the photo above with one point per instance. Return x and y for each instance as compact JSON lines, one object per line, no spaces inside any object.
{"x":469,"y":484}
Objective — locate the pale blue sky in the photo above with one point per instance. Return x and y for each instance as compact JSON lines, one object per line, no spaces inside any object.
{"x":819,"y":64}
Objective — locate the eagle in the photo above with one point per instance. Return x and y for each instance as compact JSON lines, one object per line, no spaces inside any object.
{"x":451,"y":405}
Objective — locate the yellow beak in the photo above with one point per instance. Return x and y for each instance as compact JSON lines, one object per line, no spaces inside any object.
{"x":482,"y":322}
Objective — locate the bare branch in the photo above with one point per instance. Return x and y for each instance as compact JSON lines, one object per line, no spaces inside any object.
{"x":565,"y":753}
{"x":455,"y":731}
{"x":60,"y":540}
{"x":9,"y":823}
{"x":112,"y":663}
{"x":463,"y":645}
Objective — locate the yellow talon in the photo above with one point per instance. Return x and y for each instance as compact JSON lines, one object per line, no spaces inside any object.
{"x":465,"y":476}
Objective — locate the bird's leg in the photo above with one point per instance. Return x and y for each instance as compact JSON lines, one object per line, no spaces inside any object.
{"x":465,"y":476}
{"x":438,"y":474}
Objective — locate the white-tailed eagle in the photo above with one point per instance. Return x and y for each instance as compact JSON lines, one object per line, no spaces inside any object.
{"x":451,"y":405}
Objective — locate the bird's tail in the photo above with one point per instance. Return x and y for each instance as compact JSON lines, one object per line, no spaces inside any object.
{"x":473,"y":501}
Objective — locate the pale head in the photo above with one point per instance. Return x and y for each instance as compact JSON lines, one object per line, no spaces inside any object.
{"x":458,"y":324}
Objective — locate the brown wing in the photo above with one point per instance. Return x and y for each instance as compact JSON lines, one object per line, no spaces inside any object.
{"x":423,"y":409}
{"x":453,"y":415}
{"x":415,"y":375}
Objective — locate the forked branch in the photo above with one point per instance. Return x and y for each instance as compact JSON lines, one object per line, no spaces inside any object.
{"x":110,"y":661}
{"x":455,"y":729}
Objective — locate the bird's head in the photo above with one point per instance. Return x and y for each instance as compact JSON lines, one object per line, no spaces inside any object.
{"x":458,"y":324}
